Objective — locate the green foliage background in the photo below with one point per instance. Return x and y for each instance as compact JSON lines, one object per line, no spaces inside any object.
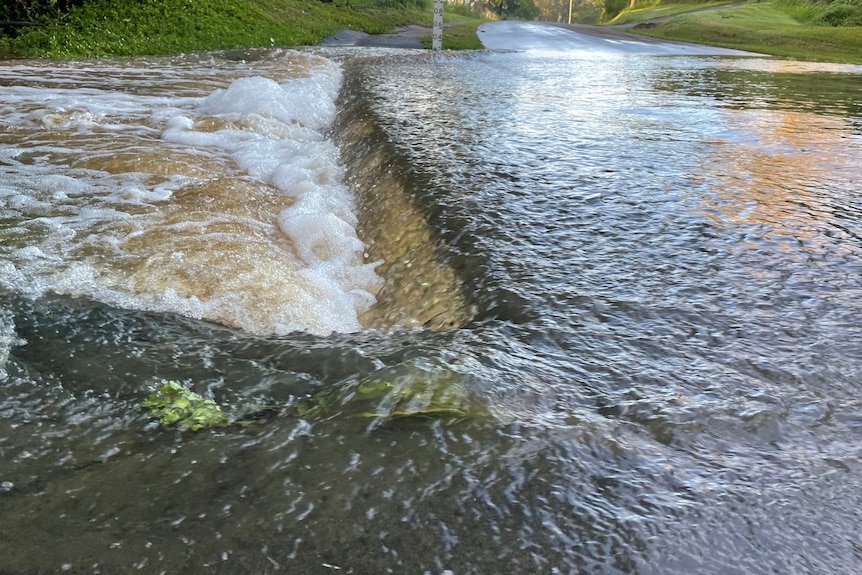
{"x":806,"y":29}
{"x":34,"y":10}
{"x":131,"y":27}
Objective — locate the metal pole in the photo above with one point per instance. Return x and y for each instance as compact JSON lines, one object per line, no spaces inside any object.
{"x":437,"y":32}
{"x":570,"y":11}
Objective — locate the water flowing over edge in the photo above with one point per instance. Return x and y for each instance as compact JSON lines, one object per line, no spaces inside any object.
{"x":167,"y":220}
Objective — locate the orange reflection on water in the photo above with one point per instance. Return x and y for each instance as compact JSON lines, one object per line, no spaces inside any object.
{"x":777,"y":172}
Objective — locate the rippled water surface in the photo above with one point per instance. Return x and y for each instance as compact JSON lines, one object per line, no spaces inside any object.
{"x":491,"y":313}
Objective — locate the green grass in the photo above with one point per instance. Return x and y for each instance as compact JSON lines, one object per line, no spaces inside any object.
{"x":766,"y":27}
{"x":463,"y":36}
{"x":836,"y":13}
{"x":124,"y":28}
{"x":655,"y":9}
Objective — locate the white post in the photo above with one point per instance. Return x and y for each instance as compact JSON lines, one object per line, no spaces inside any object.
{"x":437,"y":31}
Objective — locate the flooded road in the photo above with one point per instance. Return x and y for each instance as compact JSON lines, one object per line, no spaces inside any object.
{"x":592,"y":41}
{"x":493,"y":312}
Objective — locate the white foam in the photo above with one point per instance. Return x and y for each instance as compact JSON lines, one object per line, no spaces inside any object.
{"x":110,"y":211}
{"x":8,"y":340}
{"x":308,"y":102}
{"x":304,"y":166}
{"x":143,"y":195}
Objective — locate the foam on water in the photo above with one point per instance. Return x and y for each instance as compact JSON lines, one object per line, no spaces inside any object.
{"x":8,"y":339}
{"x":229,"y":206}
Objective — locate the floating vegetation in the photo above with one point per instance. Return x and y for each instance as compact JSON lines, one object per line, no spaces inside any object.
{"x":173,"y":404}
{"x":420,"y":389}
{"x":417,"y":389}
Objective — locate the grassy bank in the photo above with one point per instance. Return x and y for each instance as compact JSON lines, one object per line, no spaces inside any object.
{"x":789,"y":28}
{"x":461,"y":37}
{"x":645,"y":11}
{"x":123,"y":28}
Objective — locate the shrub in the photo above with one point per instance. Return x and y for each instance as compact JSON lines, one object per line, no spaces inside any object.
{"x":842,"y":14}
{"x":422,"y":4}
{"x":819,"y":13}
{"x":35,"y":10}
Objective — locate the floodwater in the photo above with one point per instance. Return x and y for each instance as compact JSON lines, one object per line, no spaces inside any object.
{"x":554,"y":313}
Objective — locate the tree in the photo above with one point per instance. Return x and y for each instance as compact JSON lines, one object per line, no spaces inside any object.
{"x":522,"y":9}
{"x":612,"y":8}
{"x":24,"y":12}
{"x":526,"y":10}
{"x":583,"y":11}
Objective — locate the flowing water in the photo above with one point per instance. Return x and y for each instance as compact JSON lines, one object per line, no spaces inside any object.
{"x":634,"y":281}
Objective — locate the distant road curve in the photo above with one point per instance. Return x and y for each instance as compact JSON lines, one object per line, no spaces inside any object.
{"x":553,"y":37}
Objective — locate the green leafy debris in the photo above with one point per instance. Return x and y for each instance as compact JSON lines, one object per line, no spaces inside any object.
{"x":417,"y":389}
{"x":422,"y":389}
{"x":173,"y":404}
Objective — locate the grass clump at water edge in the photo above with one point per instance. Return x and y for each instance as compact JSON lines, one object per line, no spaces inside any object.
{"x":463,"y":36}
